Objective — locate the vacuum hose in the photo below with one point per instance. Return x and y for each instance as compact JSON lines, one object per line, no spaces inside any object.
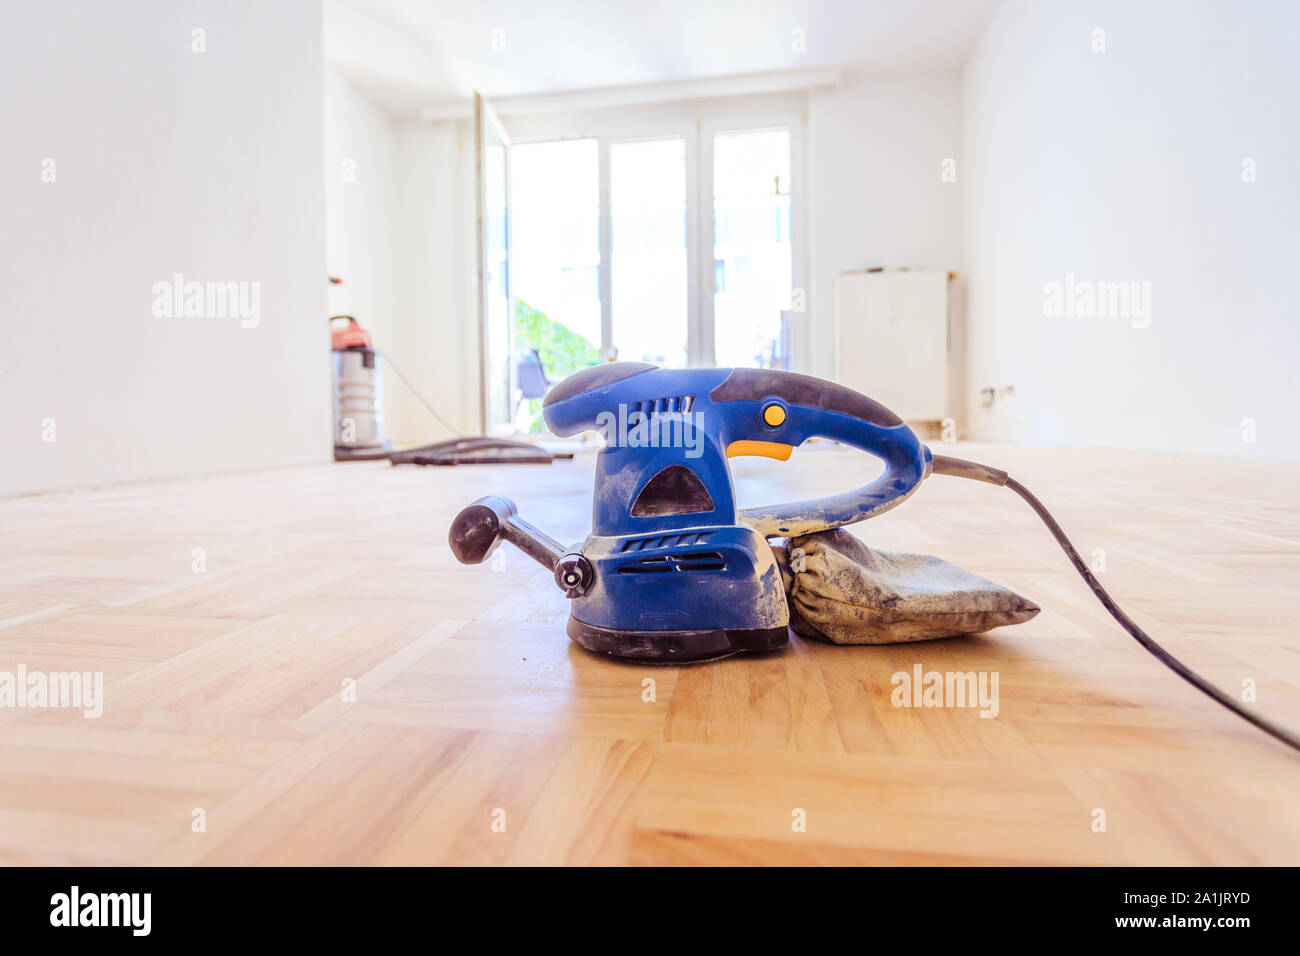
{"x":956,"y":467}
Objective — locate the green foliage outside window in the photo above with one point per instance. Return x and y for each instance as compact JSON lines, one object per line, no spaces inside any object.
{"x":562,"y":351}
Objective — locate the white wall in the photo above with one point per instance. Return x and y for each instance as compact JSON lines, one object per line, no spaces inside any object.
{"x":399,"y":195}
{"x":166,"y":161}
{"x":877,"y":196}
{"x":1127,"y":165}
{"x":361,"y":224}
{"x":437,"y":304}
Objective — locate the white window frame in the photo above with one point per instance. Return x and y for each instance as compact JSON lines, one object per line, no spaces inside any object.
{"x":695,"y":122}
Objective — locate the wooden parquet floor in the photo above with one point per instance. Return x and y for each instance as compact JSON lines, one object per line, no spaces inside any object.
{"x":230,"y":616}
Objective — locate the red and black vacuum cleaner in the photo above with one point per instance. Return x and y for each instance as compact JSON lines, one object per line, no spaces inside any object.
{"x":358,"y":395}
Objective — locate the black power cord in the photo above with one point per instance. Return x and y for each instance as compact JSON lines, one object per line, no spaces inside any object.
{"x":942,"y":465}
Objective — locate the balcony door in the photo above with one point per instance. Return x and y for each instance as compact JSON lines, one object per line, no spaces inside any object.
{"x":662,"y":235}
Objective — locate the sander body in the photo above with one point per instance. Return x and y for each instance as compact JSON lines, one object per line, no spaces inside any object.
{"x":672,"y":571}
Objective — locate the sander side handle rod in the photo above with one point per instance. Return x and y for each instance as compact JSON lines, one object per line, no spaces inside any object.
{"x":538,"y":545}
{"x":480,"y":528}
{"x":959,"y":468}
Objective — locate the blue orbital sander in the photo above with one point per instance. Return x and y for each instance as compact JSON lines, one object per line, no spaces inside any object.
{"x":672,"y":571}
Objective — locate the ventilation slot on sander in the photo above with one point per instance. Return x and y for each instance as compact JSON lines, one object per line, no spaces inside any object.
{"x":694,"y":561}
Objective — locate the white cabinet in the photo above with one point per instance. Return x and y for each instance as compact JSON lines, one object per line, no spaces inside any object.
{"x":892,"y":339}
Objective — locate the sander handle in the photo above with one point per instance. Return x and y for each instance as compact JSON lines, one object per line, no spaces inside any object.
{"x":480,"y":528}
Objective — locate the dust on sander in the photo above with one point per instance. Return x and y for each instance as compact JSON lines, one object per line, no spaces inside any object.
{"x":844,"y":592}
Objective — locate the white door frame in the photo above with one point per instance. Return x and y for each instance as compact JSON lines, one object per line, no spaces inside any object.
{"x":485,"y":116}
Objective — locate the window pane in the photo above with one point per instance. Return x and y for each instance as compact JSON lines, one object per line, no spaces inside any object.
{"x":752,"y":257}
{"x":648,"y":216}
{"x":555,"y":192}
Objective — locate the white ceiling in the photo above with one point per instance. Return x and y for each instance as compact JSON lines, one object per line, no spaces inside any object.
{"x":408,"y":55}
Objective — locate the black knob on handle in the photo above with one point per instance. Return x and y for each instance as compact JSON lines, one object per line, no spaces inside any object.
{"x":476,"y":532}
